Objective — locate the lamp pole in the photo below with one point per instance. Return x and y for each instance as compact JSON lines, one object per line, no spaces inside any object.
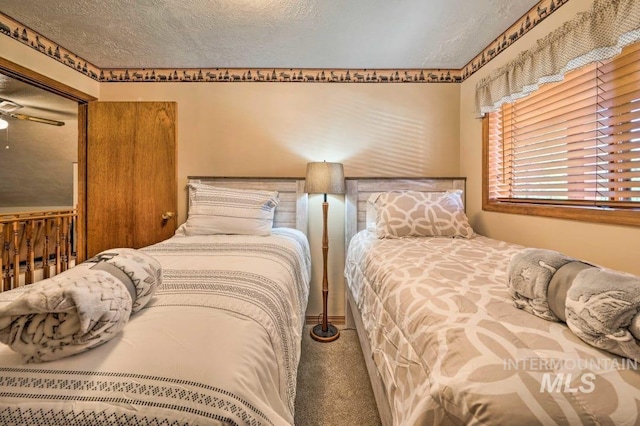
{"x":325,"y":332}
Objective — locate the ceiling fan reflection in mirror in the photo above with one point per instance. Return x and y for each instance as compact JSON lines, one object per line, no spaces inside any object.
{"x":8,"y":108}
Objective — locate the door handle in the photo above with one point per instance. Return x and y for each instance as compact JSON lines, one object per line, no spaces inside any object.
{"x":168,"y":215}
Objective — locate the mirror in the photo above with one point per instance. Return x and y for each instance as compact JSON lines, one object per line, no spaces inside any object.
{"x":37,"y":159}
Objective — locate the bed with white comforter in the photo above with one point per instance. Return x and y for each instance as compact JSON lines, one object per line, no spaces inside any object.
{"x":219,"y":343}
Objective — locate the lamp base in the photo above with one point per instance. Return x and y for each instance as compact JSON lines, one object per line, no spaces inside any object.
{"x":330,"y":335}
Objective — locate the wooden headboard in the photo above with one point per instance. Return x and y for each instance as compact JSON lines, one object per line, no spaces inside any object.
{"x":291,"y":212}
{"x":360,"y":189}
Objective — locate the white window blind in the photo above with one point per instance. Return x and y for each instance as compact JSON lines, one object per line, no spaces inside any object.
{"x":575,"y":142}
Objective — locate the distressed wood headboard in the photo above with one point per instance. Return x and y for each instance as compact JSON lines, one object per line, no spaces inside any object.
{"x":291,"y":212}
{"x":359,"y":189}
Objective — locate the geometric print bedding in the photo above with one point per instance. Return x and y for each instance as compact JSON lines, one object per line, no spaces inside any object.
{"x":218,"y":344}
{"x":451,"y":348}
{"x":418,"y":214}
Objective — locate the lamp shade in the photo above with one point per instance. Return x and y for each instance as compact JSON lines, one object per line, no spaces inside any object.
{"x":324,"y":178}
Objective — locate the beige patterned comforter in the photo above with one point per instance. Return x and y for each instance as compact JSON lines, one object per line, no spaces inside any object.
{"x":452,"y":349}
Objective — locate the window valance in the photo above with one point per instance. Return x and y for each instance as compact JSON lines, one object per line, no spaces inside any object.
{"x":592,"y":36}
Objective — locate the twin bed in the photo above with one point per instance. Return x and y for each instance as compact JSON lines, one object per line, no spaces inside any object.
{"x":441,"y":337}
{"x":219,"y":341}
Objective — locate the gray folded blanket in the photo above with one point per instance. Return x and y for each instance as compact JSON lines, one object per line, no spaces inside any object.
{"x":599,"y":306}
{"x":80,"y":308}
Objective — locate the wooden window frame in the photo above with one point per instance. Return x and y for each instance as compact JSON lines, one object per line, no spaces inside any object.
{"x":612,"y":85}
{"x":630,"y":217}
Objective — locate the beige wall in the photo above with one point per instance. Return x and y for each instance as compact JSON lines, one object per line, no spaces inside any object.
{"x":15,"y":51}
{"x":616,"y":247}
{"x":274,"y":129}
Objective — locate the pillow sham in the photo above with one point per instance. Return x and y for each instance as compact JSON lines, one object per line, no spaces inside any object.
{"x":217,"y":210}
{"x":420,"y":214}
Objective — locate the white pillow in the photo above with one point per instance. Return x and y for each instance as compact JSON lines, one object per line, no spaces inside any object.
{"x":216,"y":210}
{"x":420,"y":214}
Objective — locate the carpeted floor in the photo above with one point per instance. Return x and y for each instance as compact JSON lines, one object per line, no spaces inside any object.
{"x":333,"y":385}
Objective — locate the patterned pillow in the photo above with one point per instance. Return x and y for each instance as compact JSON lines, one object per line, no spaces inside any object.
{"x":420,"y":214}
{"x":215,"y":210}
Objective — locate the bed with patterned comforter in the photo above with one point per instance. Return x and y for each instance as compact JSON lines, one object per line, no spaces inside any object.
{"x":219,"y":343}
{"x":451,"y":348}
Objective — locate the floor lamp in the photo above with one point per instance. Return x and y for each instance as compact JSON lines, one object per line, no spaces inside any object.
{"x":324,"y":178}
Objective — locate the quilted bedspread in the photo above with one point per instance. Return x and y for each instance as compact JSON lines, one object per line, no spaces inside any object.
{"x":219,"y":343}
{"x":451,"y":348}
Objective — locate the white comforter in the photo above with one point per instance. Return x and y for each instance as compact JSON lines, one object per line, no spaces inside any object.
{"x":218,"y":344}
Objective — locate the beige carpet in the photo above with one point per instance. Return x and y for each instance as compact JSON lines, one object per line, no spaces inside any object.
{"x":333,"y":385}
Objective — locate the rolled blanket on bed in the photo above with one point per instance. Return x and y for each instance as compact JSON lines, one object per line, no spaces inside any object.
{"x":601,"y":307}
{"x":80,"y":308}
{"x":530,"y":272}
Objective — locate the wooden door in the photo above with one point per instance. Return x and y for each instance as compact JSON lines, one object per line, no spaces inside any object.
{"x":131,"y":174}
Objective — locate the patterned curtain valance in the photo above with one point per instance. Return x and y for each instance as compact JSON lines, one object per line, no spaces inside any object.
{"x":596,"y":35}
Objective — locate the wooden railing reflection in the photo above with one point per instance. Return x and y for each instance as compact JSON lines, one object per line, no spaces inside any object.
{"x":35,"y":245}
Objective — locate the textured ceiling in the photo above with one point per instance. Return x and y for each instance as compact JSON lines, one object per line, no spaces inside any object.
{"x":364,"y":34}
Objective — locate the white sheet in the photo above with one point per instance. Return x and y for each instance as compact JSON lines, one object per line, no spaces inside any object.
{"x":218,"y":344}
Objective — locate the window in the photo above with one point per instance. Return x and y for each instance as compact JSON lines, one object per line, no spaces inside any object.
{"x":570,"y":149}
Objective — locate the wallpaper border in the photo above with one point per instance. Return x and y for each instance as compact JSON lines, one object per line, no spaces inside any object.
{"x":21,"y":33}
